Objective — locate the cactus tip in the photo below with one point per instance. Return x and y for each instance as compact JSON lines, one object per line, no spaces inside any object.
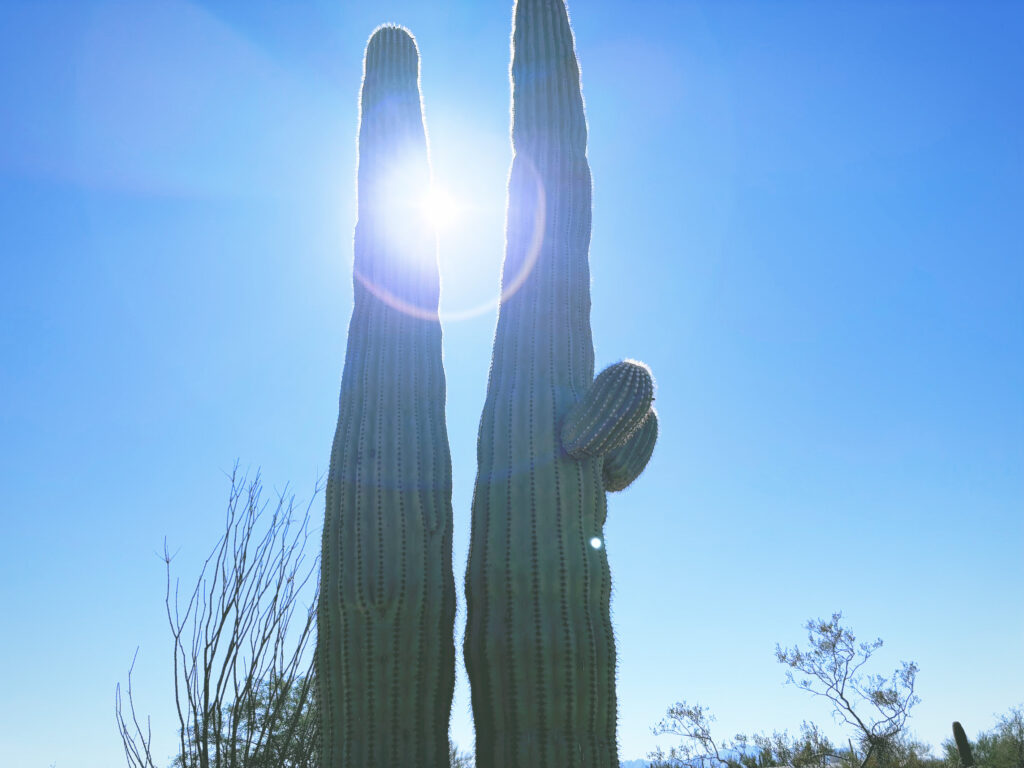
{"x":397,"y":31}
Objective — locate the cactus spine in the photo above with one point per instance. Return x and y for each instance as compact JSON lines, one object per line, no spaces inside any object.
{"x":963,"y":746}
{"x":385,"y":651}
{"x":539,"y":646}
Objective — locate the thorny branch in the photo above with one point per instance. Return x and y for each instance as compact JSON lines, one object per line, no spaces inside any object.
{"x":242,"y":668}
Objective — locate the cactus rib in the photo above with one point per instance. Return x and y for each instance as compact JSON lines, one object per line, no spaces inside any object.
{"x":385,"y":648}
{"x":539,"y":645}
{"x":614,"y":407}
{"x":624,"y":464}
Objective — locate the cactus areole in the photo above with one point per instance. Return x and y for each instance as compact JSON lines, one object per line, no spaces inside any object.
{"x":539,"y":647}
{"x":385,"y":656}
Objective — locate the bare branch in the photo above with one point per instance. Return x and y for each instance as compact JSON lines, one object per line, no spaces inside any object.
{"x":876,"y":707}
{"x":242,"y":668}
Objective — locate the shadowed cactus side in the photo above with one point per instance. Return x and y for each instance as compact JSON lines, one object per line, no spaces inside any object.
{"x":385,"y":655}
{"x":539,"y":646}
{"x":963,"y":746}
{"x":622,"y":465}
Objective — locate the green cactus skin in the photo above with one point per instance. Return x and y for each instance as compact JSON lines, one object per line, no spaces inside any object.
{"x":615,"y":406}
{"x":385,"y":651}
{"x":539,"y":646}
{"x":625,"y":463}
{"x":963,"y":746}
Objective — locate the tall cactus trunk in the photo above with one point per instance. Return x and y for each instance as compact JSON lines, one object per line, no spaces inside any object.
{"x":963,"y":746}
{"x":539,"y":646}
{"x":385,"y":652}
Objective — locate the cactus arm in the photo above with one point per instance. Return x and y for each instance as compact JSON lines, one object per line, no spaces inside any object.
{"x":963,"y":746}
{"x":385,"y":647}
{"x":624,"y":464}
{"x":613,"y":408}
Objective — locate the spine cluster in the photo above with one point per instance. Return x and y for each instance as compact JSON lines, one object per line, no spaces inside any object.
{"x":385,"y":650}
{"x":539,"y":646}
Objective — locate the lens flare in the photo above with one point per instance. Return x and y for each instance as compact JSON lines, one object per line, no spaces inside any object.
{"x":439,"y":209}
{"x":437,"y":205}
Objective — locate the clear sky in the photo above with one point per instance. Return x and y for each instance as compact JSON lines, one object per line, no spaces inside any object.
{"x":807,"y":220}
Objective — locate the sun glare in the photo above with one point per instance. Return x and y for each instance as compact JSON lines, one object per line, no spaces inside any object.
{"x":439,"y":208}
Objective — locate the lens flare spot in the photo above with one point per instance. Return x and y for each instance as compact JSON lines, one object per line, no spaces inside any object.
{"x":439,"y":208}
{"x":595,"y":543}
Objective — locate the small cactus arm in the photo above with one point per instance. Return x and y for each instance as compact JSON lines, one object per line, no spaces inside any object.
{"x":624,"y":464}
{"x":385,"y":653}
{"x":539,"y":646}
{"x":963,"y":746}
{"x":616,"y":406}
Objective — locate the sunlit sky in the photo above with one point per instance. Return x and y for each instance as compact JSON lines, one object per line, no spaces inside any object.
{"x":807,"y":221}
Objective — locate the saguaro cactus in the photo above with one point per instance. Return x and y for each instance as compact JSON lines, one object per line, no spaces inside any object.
{"x":385,"y":650}
{"x":539,"y":646}
{"x":963,"y":746}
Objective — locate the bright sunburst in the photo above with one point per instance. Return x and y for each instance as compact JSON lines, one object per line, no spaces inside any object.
{"x":439,"y":208}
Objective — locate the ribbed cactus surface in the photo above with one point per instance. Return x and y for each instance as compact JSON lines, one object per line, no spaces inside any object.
{"x":385,"y":649}
{"x":539,"y":646}
{"x":623,"y":464}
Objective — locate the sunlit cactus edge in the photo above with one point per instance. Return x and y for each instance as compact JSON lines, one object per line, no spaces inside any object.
{"x":385,"y":650}
{"x":539,"y":645}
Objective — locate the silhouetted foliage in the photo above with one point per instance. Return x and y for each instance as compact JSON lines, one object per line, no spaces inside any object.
{"x":874,"y":707}
{"x":1001,"y":747}
{"x":457,"y":758}
{"x":809,"y":749}
{"x":243,"y":685}
{"x":275,"y":705}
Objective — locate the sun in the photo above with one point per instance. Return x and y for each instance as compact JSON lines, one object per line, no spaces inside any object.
{"x":439,"y":208}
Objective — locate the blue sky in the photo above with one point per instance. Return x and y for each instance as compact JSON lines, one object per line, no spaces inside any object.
{"x":806,"y":220}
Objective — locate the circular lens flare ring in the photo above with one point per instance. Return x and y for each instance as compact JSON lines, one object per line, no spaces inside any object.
{"x":508,"y":289}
